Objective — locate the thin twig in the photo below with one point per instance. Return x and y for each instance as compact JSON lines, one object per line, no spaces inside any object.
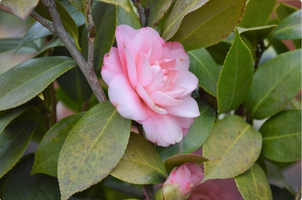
{"x":60,"y":31}
{"x":43,"y":21}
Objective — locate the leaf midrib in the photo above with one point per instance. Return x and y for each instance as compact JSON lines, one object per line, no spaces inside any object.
{"x":281,"y":136}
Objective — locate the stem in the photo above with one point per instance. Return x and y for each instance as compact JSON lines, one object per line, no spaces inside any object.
{"x":259,"y":52}
{"x":240,"y":110}
{"x":58,"y":29}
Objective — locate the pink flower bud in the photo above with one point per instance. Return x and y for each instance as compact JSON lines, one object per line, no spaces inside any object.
{"x":182,"y":180}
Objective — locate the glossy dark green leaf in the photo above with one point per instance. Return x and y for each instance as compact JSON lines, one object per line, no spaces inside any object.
{"x":211,"y":26}
{"x":253,"y":184}
{"x":21,"y":9}
{"x":229,"y":137}
{"x":128,"y":18}
{"x":122,"y":3}
{"x":205,"y":69}
{"x":176,"y":15}
{"x":21,"y":185}
{"x":74,"y":12}
{"x":36,"y":31}
{"x":158,"y":8}
{"x":7,"y":117}
{"x":140,"y":164}
{"x":55,"y":43}
{"x":283,"y":10}
{"x":105,"y":20}
{"x":19,"y":84}
{"x":180,"y":159}
{"x":275,"y":84}
{"x":282,"y":136}
{"x":8,"y":44}
{"x":75,"y":86}
{"x":275,"y":175}
{"x":197,"y":135}
{"x":47,"y":155}
{"x":219,"y":51}
{"x":13,"y":142}
{"x":257,"y":13}
{"x":92,"y":149}
{"x":289,"y":28}
{"x":236,"y":76}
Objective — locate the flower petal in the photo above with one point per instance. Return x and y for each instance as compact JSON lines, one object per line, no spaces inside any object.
{"x":144,"y":71}
{"x":187,"y":80}
{"x":175,"y":50}
{"x":187,"y":108}
{"x":127,"y":102}
{"x":162,"y":99}
{"x":131,"y":68}
{"x":112,"y":65}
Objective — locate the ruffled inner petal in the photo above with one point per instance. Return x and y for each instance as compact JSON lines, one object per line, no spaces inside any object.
{"x":144,"y":71}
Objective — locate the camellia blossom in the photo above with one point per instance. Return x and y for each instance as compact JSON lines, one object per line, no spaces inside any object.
{"x":149,"y":82}
{"x":182,"y":180}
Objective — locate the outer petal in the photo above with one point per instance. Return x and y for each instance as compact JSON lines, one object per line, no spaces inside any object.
{"x":188,"y":108}
{"x":112,"y":65}
{"x":187,"y":80}
{"x":127,"y":102}
{"x":162,"y":99}
{"x":162,"y":129}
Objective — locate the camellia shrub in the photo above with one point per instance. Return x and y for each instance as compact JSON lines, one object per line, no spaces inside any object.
{"x":167,"y":98}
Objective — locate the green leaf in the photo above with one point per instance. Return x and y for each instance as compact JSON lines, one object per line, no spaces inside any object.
{"x":7,"y":117}
{"x":229,"y":137}
{"x":281,"y":194}
{"x":47,"y":155}
{"x":205,"y":69}
{"x":256,"y":34}
{"x":21,"y":185}
{"x":289,"y":28}
{"x":283,"y":10}
{"x":293,"y":104}
{"x":253,"y":184}
{"x":180,"y":159}
{"x":79,"y":4}
{"x":122,"y":3}
{"x":77,"y":15}
{"x":128,"y":18}
{"x":69,"y":103}
{"x":282,"y":136}
{"x":236,"y":76}
{"x":105,"y":25}
{"x":75,"y":86}
{"x":257,"y":13}
{"x":197,"y":135}
{"x":92,"y":149}
{"x":8,"y":44}
{"x":275,"y":84}
{"x":55,"y":43}
{"x":19,"y":84}
{"x":211,"y":26}
{"x":219,"y":51}
{"x":21,"y":9}
{"x":13,"y":142}
{"x":176,"y":15}
{"x":140,"y":164}
{"x":158,"y":8}
{"x":36,"y":31}
{"x":275,"y":175}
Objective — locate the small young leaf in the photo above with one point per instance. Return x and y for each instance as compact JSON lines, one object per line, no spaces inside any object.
{"x":229,"y":137}
{"x":105,"y":24}
{"x":197,"y":135}
{"x":13,"y":142}
{"x":158,"y":9}
{"x":175,"y":16}
{"x":47,"y":155}
{"x":253,"y":184}
{"x":236,"y":76}
{"x":275,"y":175}
{"x":275,"y":84}
{"x":289,"y":28}
{"x":92,"y":149}
{"x":140,"y":164}
{"x":21,"y":185}
{"x":21,"y":9}
{"x":19,"y":84}
{"x":211,"y":26}
{"x":282,"y":136}
{"x":180,"y":159}
{"x":257,"y":13}
{"x":205,"y":69}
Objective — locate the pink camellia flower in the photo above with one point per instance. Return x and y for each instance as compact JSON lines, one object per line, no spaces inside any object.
{"x":218,"y":189}
{"x":181,"y":181}
{"x":149,"y":82}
